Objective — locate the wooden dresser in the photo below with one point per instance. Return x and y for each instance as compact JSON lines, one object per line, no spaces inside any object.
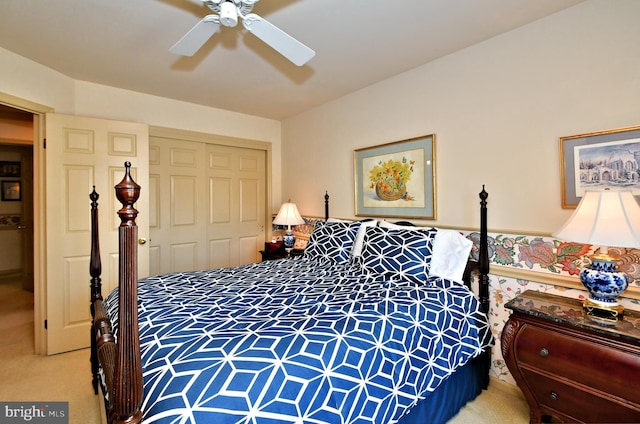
{"x":569,"y":367}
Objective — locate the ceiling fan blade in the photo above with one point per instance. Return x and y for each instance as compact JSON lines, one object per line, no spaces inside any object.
{"x":279,"y":40}
{"x":191,"y":42}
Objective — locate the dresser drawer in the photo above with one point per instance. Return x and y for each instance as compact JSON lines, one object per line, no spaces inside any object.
{"x":558,"y":398}
{"x":587,"y":362}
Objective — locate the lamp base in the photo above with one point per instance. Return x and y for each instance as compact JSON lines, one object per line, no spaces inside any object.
{"x":604,"y":283}
{"x":603,"y":313}
{"x":289,"y":241}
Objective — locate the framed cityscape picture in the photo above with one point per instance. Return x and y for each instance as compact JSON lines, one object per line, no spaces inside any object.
{"x":599,"y":160}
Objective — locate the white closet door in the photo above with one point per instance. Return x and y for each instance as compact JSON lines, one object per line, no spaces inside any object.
{"x":177,"y":207}
{"x":236,"y":225}
{"x":207,"y":205}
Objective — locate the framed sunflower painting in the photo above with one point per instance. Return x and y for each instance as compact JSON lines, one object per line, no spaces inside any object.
{"x":396,"y":179}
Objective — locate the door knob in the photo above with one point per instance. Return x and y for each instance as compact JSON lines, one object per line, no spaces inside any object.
{"x":142,"y":240}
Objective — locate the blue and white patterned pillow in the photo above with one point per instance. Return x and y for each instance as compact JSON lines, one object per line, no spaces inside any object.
{"x":402,"y":253}
{"x":332,"y":241}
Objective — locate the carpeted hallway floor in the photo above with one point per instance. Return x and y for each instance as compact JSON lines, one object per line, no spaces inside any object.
{"x":25,"y":376}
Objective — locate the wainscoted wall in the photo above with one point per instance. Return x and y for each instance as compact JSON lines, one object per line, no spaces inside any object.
{"x":543,"y":259}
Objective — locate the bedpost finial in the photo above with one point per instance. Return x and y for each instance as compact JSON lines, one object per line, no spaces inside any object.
{"x":326,"y":205}
{"x":127,"y":192}
{"x":94,"y":196}
{"x":483,"y":194}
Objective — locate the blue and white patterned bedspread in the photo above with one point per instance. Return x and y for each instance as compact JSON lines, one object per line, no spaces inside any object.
{"x":296,"y":341}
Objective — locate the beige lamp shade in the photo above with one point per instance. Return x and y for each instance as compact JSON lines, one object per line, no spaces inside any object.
{"x":288,"y":215}
{"x":608,"y":218}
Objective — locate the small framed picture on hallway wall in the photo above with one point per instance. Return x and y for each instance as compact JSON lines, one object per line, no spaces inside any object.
{"x":9,"y":169}
{"x":11,"y":191}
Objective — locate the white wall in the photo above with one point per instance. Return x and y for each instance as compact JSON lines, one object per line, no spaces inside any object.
{"x":113,"y":103}
{"x":31,"y":81}
{"x":497,"y":109}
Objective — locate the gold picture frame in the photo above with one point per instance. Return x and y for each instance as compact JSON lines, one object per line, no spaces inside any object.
{"x":600,"y":159}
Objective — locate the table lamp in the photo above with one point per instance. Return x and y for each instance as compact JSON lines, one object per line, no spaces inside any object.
{"x":604,"y":218}
{"x":288,"y":215}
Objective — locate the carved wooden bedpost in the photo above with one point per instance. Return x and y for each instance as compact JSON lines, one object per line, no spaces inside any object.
{"x":483,"y":284}
{"x":95,"y":270}
{"x":127,"y":380}
{"x":483,"y":254}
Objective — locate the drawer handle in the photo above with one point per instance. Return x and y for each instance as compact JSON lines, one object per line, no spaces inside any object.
{"x":544,"y":352}
{"x":553,"y":396}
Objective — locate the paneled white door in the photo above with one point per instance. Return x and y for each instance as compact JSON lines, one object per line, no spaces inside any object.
{"x":177,"y":206}
{"x":236,"y":224}
{"x":207,"y":205}
{"x":82,"y":153}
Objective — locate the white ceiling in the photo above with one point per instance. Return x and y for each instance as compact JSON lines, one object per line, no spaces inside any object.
{"x":125,"y":43}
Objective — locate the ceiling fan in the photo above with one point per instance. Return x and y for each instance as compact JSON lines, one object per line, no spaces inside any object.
{"x":228,"y":12}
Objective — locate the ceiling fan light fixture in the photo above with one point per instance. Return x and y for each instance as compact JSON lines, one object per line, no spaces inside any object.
{"x":228,"y":14}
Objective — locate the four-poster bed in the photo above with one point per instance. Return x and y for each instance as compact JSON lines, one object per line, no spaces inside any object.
{"x":343,"y":333}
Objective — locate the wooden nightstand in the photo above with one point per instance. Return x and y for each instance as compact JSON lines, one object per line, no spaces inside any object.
{"x":270,"y":254}
{"x":569,"y":367}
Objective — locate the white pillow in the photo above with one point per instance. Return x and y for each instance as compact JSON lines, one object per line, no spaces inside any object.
{"x":357,"y":244}
{"x":450,"y":255}
{"x":391,"y":226}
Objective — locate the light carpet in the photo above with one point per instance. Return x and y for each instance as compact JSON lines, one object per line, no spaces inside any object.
{"x":27,"y":377}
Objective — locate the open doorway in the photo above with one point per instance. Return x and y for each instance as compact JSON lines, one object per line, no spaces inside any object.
{"x":16,"y":208}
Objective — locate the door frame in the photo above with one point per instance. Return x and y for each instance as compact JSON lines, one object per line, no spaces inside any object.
{"x":39,"y":215}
